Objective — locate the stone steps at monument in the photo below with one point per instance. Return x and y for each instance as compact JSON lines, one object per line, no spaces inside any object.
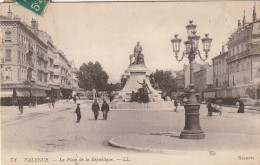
{"x":150,"y":105}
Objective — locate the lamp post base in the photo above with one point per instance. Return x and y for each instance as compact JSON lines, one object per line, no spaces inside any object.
{"x":193,"y":136}
{"x":192,"y":128}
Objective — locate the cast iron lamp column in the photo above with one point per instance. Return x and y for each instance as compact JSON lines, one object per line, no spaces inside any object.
{"x":192,"y":128}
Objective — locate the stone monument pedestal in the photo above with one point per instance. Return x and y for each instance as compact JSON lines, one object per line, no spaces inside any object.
{"x":134,"y":74}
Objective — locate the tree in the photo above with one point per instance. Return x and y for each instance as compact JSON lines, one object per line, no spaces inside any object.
{"x":165,"y":81}
{"x":113,"y":87}
{"x":92,"y":76}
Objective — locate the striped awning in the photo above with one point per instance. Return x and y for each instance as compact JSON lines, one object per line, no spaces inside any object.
{"x":39,"y":92}
{"x":23,"y":92}
{"x":6,"y":92}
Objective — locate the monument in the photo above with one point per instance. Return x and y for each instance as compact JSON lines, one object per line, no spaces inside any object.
{"x":138,"y":88}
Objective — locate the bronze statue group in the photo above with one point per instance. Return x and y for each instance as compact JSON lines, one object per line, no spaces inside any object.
{"x":95,"y":108}
{"x":142,"y":96}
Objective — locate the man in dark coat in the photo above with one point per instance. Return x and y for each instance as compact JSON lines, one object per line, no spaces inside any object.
{"x":53,"y":101}
{"x":209,"y":106}
{"x":105,"y":109}
{"x":241,"y":107}
{"x":20,"y":104}
{"x":78,"y":113}
{"x":95,"y":109}
{"x":176,"y":105}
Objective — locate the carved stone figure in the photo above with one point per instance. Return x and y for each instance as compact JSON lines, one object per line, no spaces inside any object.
{"x":137,"y":51}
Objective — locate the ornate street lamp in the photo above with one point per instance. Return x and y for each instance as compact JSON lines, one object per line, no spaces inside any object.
{"x":192,"y":128}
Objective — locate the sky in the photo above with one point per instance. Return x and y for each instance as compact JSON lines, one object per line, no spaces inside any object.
{"x":108,"y":32}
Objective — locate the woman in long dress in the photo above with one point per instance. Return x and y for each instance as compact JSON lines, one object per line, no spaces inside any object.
{"x":241,"y":107}
{"x":145,"y":91}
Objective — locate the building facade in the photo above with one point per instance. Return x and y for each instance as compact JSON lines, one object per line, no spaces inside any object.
{"x":28,"y":59}
{"x":203,"y":80}
{"x":243,"y":61}
{"x":196,"y":66}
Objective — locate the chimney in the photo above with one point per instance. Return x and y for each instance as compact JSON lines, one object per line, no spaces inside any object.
{"x":244,"y":19}
{"x":10,"y":13}
{"x":34,"y":25}
{"x":223,"y":48}
{"x":239,"y":24}
{"x":254,"y":15}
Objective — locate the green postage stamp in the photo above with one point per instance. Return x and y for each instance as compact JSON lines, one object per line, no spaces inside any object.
{"x":37,"y":6}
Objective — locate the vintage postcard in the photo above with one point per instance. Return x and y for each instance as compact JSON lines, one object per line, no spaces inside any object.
{"x":130,"y":83}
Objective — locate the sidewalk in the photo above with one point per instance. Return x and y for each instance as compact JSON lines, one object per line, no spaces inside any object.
{"x":170,"y":142}
{"x":11,"y":113}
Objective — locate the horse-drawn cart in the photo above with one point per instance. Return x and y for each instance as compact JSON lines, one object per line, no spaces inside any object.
{"x":216,"y":108}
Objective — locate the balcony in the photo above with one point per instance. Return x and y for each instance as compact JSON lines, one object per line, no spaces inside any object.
{"x":30,"y":64}
{"x":232,"y":58}
{"x":42,"y":68}
{"x":30,"y":48}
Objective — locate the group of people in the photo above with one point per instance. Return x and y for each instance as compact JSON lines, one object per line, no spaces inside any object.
{"x":52,"y":102}
{"x":95,"y":108}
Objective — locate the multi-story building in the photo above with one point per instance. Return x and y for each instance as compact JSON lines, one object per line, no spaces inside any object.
{"x":243,"y":60}
{"x":74,"y":80}
{"x":62,"y":73}
{"x":24,"y":59}
{"x":30,"y":63}
{"x":203,"y":80}
{"x":220,"y":75}
{"x":196,"y":67}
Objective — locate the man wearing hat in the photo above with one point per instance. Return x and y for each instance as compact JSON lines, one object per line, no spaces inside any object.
{"x":95,"y":109}
{"x":105,"y":109}
{"x":78,"y":113}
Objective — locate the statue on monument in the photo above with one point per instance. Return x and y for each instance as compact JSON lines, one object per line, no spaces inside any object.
{"x":138,"y":56}
{"x":144,"y":91}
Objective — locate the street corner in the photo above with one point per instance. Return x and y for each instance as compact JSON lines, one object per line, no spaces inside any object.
{"x":171,"y":143}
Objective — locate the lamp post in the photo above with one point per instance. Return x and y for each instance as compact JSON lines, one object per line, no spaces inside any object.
{"x":192,"y":128}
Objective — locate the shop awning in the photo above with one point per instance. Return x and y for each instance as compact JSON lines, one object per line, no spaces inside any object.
{"x":19,"y":92}
{"x":39,"y":93}
{"x":23,"y":92}
{"x":6,"y":92}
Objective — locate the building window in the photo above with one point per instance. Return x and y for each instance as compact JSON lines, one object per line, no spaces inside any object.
{"x":8,"y":36}
{"x":56,"y":76}
{"x":8,"y":55}
{"x":8,"y":76}
{"x":55,"y":66}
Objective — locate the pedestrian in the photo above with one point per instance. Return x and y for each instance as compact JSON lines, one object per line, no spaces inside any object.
{"x":78,"y":113}
{"x":74,"y":99}
{"x":30,"y":101}
{"x":176,"y":105}
{"x":49,"y":102}
{"x":95,"y":109}
{"x":241,"y":107}
{"x":209,"y":106}
{"x":105,"y":109}
{"x":53,"y":101}
{"x":19,"y":102}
